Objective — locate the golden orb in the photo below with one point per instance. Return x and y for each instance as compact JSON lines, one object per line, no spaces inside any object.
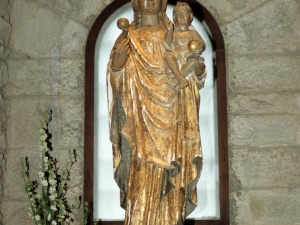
{"x":123,"y":23}
{"x":192,"y":45}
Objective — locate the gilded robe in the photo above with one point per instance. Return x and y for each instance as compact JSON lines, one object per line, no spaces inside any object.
{"x":155,"y":135}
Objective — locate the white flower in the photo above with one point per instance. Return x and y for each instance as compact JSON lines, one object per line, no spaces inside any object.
{"x":45,"y":183}
{"x":41,"y":174}
{"x":43,"y":135}
{"x":37,"y":217}
{"x":49,"y":217}
{"x":53,"y":222}
{"x":52,"y":189}
{"x":52,"y":182}
{"x":52,"y":197}
{"x":46,"y":159}
{"x":53,"y":208}
{"x":43,"y":145}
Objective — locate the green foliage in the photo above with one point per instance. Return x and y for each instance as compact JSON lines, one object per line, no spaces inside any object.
{"x":48,"y":204}
{"x":86,"y":210}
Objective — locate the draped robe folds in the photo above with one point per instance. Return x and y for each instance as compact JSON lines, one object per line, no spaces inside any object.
{"x":155,"y":135}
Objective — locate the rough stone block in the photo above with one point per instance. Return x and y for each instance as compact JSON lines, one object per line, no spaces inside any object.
{"x":5,"y":9}
{"x":3,"y":141}
{"x":35,"y":33}
{"x":73,"y":39}
{"x":4,"y":50}
{"x":90,"y":10}
{"x":71,"y":7}
{"x":2,"y":163}
{"x":5,"y":30}
{"x":32,"y":77}
{"x":78,"y":215}
{"x":75,"y":185}
{"x":3,"y":74}
{"x":266,"y":168}
{"x":225,"y":11}
{"x":276,"y":103}
{"x":264,"y":73}
{"x":72,"y":77}
{"x":265,"y":207}
{"x":72,"y":111}
{"x":23,"y":121}
{"x":28,"y":77}
{"x":14,"y":212}
{"x":13,"y":186}
{"x":84,"y":10}
{"x":26,"y":114}
{"x":271,"y":28}
{"x":264,"y":131}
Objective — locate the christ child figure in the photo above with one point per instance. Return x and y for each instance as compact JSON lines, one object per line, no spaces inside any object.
{"x":183,"y":45}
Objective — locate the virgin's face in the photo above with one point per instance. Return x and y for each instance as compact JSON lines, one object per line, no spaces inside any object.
{"x":150,"y":6}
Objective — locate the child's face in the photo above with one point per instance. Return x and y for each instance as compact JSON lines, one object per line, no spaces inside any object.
{"x":182,"y":16}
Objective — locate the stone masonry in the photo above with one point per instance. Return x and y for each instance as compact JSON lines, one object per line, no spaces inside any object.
{"x":5,"y":32}
{"x":263,"y":92}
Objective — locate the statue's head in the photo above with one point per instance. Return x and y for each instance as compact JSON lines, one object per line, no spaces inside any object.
{"x":182,"y":9}
{"x":140,"y":6}
{"x":136,"y":4}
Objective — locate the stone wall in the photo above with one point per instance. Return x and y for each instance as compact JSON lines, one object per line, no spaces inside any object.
{"x":5,"y":32}
{"x":40,"y":79}
{"x":263,"y":81}
{"x":263,"y":89}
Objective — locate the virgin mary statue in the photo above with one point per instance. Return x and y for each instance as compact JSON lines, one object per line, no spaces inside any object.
{"x":154,"y":129}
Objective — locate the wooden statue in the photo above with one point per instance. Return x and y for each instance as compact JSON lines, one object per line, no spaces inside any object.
{"x":154,"y":76}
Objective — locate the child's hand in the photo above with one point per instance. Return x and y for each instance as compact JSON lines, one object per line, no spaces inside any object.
{"x":196,"y":47}
{"x":198,"y":50}
{"x":168,"y":25}
{"x":199,"y":70}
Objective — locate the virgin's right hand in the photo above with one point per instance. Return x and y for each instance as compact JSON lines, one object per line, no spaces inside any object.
{"x":121,"y":54}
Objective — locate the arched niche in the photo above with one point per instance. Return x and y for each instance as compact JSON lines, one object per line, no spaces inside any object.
{"x":92,"y":94}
